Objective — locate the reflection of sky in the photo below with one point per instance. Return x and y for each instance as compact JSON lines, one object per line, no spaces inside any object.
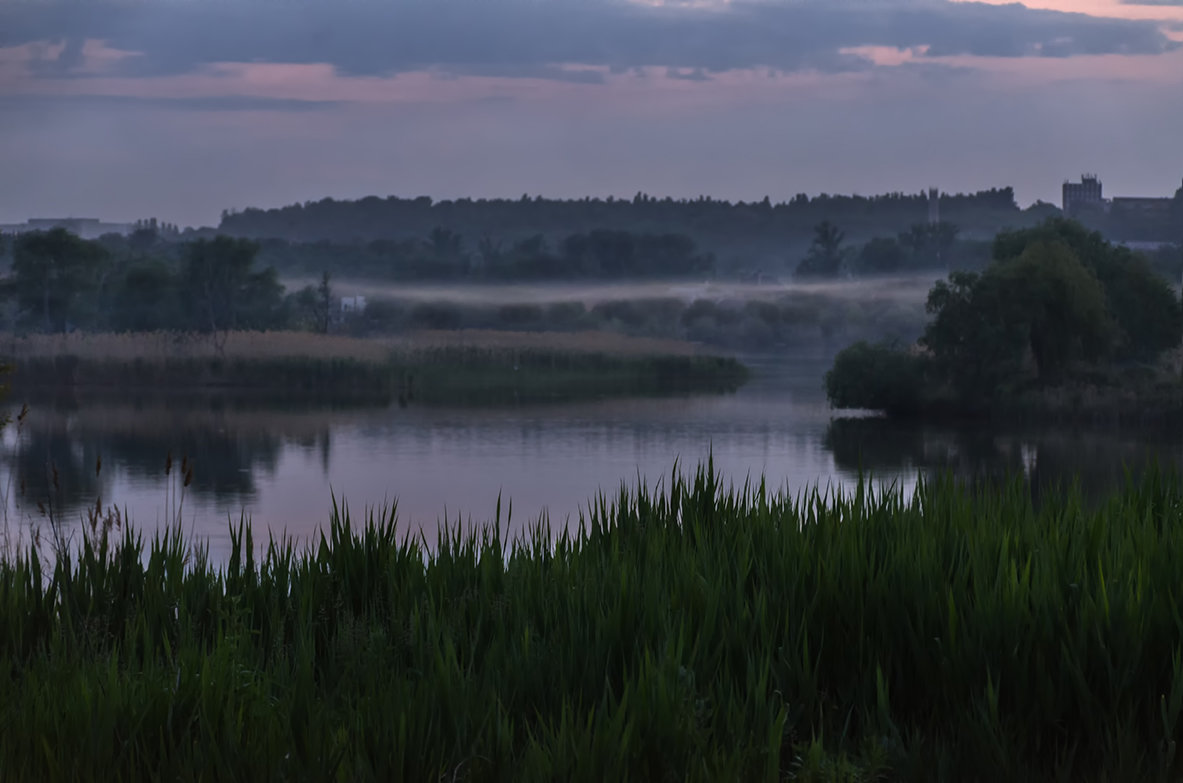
{"x":113,"y":125}
{"x":557,"y":458}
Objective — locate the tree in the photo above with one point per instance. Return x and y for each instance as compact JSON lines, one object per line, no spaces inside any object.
{"x":52,"y":274}
{"x":882,"y":255}
{"x":224,"y":292}
{"x":1146,"y":310}
{"x":1177,"y":218}
{"x":876,"y":377}
{"x":145,"y":298}
{"x":929,"y":245}
{"x":324,"y":303}
{"x":825,"y":254}
{"x":1060,"y":303}
{"x":976,"y":337}
{"x":1044,"y":304}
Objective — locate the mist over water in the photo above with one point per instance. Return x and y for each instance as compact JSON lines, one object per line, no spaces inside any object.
{"x":904,"y":289}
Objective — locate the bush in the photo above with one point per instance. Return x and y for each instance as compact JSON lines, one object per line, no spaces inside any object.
{"x":880,"y":377}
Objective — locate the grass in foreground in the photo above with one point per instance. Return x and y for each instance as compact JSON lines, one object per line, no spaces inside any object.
{"x":696,"y":634}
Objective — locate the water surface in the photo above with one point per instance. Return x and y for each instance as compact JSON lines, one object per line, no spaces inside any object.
{"x":280,"y":464}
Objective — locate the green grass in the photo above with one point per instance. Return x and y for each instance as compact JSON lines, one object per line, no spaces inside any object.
{"x":696,"y":633}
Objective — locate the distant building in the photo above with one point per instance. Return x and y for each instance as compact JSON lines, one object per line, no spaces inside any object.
{"x":1080,"y":196}
{"x":1127,"y":219}
{"x":934,"y":207}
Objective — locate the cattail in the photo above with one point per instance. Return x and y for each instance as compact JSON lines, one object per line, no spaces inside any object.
{"x":98,"y":465}
{"x":189,"y":477}
{"x":168,"y":463}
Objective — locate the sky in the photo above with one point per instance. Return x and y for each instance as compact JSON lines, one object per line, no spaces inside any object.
{"x":178,"y":109}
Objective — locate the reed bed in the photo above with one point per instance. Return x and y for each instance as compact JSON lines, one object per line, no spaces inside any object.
{"x":428,"y":367}
{"x":694,"y":633}
{"x":149,"y":346}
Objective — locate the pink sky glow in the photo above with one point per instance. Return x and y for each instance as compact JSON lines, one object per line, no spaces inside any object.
{"x":912,"y":120}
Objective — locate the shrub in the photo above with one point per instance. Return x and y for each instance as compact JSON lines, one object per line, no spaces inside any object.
{"x":879,"y":377}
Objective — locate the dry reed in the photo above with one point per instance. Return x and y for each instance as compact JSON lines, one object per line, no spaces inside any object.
{"x":274,"y":345}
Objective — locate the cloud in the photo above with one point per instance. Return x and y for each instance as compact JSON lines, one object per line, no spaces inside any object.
{"x":563,"y":40}
{"x":194,"y":103}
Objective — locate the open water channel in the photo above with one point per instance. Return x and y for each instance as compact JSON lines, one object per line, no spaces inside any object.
{"x":281,"y":464}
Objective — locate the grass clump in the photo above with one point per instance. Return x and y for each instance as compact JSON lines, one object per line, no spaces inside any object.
{"x":698,"y":633}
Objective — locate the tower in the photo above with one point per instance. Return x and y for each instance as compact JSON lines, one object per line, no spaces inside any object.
{"x":1086,"y":193}
{"x":934,"y":206}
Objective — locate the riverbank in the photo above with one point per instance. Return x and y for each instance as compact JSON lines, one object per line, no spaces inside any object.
{"x":907,"y":384}
{"x":429,"y":368}
{"x":1133,"y":397}
{"x":699,"y":634}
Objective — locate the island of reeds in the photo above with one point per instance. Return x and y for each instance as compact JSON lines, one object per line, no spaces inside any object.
{"x":429,"y":368}
{"x":687,"y":632}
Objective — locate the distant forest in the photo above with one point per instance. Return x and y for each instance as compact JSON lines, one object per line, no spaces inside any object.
{"x":741,"y":236}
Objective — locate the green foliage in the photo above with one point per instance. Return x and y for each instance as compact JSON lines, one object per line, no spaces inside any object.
{"x":699,"y":633}
{"x":1058,"y":302}
{"x":222,"y":289}
{"x":147,"y":298}
{"x":880,"y":377}
{"x":53,"y":272}
{"x":1146,"y":310}
{"x":1057,"y":298}
{"x":977,"y":337}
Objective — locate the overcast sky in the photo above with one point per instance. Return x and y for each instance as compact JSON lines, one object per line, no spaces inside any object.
{"x":180,"y":108}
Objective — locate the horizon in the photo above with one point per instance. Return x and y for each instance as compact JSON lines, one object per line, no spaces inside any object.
{"x":128,"y":220}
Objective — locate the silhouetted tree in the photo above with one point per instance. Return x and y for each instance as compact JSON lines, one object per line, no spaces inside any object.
{"x":223,"y":290}
{"x":52,"y":272}
{"x":324,"y":303}
{"x":825,"y":254}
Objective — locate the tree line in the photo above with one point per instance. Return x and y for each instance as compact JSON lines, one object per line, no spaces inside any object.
{"x":444,"y":254}
{"x":922,"y":246}
{"x":1057,"y":303}
{"x":59,"y":282}
{"x":752,"y":235}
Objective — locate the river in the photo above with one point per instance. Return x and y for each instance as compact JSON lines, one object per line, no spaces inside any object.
{"x":281,"y":465}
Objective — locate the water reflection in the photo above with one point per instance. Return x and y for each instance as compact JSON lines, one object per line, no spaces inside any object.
{"x":1098,"y":459}
{"x":281,"y":462}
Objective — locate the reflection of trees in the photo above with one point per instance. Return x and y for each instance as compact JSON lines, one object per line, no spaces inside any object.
{"x":223,"y":461}
{"x":1095,"y":458}
{"x":44,"y":452}
{"x":224,"y":457}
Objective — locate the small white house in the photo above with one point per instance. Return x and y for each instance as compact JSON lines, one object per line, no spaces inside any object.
{"x":353,"y":304}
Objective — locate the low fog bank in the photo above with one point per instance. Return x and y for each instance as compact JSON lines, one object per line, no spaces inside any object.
{"x":740,"y":316}
{"x":902,"y":289}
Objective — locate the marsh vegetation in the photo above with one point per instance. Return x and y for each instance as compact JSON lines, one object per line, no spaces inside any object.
{"x":692,"y":632}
